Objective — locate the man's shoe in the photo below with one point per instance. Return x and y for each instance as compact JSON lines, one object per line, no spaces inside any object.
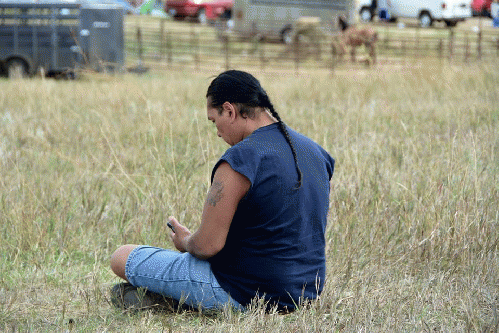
{"x":127,"y":297}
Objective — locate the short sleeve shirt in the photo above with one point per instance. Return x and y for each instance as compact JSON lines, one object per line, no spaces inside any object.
{"x":275,"y":244}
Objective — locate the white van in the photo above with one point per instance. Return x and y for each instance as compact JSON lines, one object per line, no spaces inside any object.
{"x":426,"y":11}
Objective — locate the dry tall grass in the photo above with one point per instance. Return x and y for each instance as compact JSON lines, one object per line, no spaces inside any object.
{"x":413,"y":229}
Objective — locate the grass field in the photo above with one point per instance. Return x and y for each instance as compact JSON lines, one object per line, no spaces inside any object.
{"x":412,"y":239}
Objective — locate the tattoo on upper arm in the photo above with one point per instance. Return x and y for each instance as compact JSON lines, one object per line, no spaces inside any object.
{"x":215,"y":194}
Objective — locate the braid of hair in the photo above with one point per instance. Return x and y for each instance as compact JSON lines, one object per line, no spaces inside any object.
{"x":285,"y":132}
{"x":235,"y":86}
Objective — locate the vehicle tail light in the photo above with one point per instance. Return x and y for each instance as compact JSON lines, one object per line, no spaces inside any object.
{"x":444,"y":5}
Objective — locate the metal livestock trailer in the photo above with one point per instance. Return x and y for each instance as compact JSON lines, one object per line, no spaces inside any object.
{"x":275,"y":18}
{"x":59,"y":37}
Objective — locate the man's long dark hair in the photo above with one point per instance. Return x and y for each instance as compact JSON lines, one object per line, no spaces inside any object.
{"x":244,"y":89}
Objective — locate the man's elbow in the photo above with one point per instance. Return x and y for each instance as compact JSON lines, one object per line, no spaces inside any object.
{"x":206,"y":252}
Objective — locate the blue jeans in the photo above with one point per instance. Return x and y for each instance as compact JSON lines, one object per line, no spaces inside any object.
{"x":177,"y":275}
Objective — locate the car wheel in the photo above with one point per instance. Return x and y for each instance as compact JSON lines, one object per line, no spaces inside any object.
{"x":17,"y":68}
{"x":202,"y":18}
{"x":366,"y":15}
{"x":425,"y":20}
{"x":287,"y":36}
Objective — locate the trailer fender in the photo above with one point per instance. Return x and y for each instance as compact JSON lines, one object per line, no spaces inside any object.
{"x":18,"y":65}
{"x":425,"y":19}
{"x":287,"y":34}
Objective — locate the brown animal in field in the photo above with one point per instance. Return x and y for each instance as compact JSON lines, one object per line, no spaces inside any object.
{"x":353,"y":37}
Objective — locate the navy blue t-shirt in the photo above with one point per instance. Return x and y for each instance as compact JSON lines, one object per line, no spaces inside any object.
{"x":275,"y":245}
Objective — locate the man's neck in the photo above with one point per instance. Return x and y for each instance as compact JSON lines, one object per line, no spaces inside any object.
{"x":263,"y":119}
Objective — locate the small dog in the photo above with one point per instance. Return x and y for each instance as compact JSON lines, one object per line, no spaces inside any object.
{"x":354,"y":37}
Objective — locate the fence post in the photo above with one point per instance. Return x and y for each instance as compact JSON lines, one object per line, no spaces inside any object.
{"x":479,"y":40}
{"x":161,"y":38}
{"x":416,"y":51}
{"x":226,"y":51}
{"x":296,"y":44}
{"x":169,"y":47}
{"x":440,"y":49}
{"x":262,"y":52}
{"x":387,"y":38}
{"x":479,"y":44}
{"x":334,"y":57}
{"x":318,"y":43}
{"x":139,"y":44}
{"x":467,"y":49}
{"x":451,"y":43}
{"x":195,"y":46}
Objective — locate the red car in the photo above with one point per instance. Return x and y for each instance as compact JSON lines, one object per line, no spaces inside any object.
{"x":481,"y":7}
{"x":202,"y":10}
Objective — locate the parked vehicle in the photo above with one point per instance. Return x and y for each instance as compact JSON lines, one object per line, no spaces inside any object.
{"x":202,"y":10}
{"x":368,"y":10}
{"x":481,"y":7}
{"x":274,"y":19}
{"x":147,"y":7}
{"x":129,"y":9}
{"x":59,"y":37}
{"x":426,"y":11}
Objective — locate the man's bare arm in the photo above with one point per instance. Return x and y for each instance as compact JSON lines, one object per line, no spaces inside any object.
{"x":215,"y":194}
{"x":227,"y":189}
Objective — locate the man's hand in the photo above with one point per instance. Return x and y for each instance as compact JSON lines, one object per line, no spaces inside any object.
{"x":181,"y":235}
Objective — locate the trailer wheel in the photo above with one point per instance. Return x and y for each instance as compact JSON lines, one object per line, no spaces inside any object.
{"x":201,"y":16}
{"x":16,"y":68}
{"x":287,"y":35}
{"x":366,"y":14}
{"x":425,"y":20}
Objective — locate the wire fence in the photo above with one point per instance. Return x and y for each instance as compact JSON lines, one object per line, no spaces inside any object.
{"x":452,"y":44}
{"x":162,"y":43}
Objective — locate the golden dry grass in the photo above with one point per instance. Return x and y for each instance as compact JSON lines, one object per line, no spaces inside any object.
{"x":91,"y":164}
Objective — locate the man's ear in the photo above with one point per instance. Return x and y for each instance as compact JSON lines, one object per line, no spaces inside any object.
{"x":231,"y":109}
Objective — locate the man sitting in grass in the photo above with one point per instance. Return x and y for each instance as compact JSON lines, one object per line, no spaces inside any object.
{"x":262,"y":229}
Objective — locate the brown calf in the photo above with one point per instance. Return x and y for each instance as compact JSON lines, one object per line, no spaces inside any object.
{"x":352,"y":37}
